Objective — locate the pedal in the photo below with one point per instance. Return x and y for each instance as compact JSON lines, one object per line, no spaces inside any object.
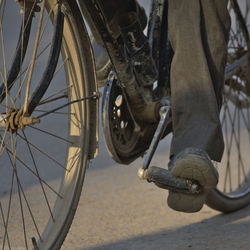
{"x":164,"y":179}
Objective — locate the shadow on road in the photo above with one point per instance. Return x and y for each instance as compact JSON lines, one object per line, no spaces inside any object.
{"x":223,"y":231}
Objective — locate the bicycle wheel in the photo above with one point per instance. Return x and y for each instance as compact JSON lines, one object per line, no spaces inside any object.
{"x":233,"y":190}
{"x":42,"y":161}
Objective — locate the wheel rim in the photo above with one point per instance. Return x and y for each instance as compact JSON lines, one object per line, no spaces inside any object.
{"x":235,"y":115}
{"x":44,"y":159}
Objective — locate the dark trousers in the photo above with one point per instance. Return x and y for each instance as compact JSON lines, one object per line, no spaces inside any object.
{"x":198,"y":31}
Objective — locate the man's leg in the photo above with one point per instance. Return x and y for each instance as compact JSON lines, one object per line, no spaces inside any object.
{"x":198,"y":31}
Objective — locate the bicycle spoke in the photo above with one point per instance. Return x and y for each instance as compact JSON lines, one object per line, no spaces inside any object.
{"x":242,"y":165}
{"x":26,"y":70}
{"x":20,"y":52}
{"x":229,"y":149}
{"x":73,"y":160}
{"x":4,"y":147}
{"x":30,"y":170}
{"x":246,"y":121}
{"x":13,"y":145}
{"x":37,"y":172}
{"x":34,"y":57}
{"x":46,"y":23}
{"x":34,"y":174}
{"x":237,"y":142}
{"x":64,"y":96}
{"x":51,"y":134}
{"x":57,"y":113}
{"x":238,"y":148}
{"x":91,"y":97}
{"x":2,"y":39}
{"x":31,"y":103}
{"x":228,"y":145}
{"x":3,"y":139}
{"x":8,"y":213}
{"x":4,"y":223}
{"x":4,"y":59}
{"x":4,"y":78}
{"x":43,"y":153}
{"x":51,"y":97}
{"x":10,"y":197}
{"x":20,"y":188}
{"x":29,"y":208}
{"x":60,"y":67}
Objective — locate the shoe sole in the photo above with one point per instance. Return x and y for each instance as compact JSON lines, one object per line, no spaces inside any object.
{"x":192,"y":164}
{"x":186,"y":203}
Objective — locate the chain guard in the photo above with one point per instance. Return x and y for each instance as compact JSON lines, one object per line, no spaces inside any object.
{"x":124,"y":141}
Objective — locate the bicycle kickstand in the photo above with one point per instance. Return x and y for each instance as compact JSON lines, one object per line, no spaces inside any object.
{"x":160,"y":176}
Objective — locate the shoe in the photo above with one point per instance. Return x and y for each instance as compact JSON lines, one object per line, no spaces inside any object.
{"x":102,"y":61}
{"x":193,"y":164}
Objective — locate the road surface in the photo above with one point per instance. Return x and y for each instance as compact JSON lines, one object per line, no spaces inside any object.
{"x":117,"y":211}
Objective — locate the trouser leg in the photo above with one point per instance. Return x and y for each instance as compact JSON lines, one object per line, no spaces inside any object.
{"x":198,"y":31}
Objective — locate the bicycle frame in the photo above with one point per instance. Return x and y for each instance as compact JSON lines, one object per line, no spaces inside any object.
{"x":159,"y":42}
{"x":149,"y":110}
{"x":101,"y":31}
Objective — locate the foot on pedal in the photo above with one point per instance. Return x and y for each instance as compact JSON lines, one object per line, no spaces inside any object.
{"x":192,"y":164}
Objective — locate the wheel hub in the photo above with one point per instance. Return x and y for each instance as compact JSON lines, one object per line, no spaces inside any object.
{"x":14,"y":121}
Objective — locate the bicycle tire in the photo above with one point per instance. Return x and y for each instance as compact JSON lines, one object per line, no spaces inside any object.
{"x":56,"y":183}
{"x":233,"y":190}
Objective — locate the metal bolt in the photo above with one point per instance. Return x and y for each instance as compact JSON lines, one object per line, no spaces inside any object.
{"x":141,"y":173}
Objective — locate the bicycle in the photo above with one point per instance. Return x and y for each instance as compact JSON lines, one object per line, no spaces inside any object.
{"x":29,"y":114}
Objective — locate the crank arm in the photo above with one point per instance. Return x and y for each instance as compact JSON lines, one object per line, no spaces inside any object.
{"x":164,"y":110}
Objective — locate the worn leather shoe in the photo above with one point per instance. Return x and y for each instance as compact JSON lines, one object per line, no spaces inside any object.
{"x":193,"y":164}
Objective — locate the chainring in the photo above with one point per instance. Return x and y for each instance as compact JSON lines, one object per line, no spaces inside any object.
{"x":124,"y":141}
